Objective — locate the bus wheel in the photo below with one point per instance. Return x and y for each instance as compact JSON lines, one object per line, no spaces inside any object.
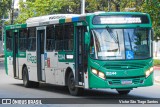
{"x":123,"y":92}
{"x":26,"y":81}
{"x":71,"y":86}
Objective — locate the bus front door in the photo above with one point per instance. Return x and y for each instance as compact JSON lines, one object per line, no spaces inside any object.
{"x":80,"y":59}
{"x":41,"y":53}
{"x":15,"y":54}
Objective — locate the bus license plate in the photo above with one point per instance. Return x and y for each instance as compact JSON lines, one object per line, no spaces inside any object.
{"x":126,"y":82}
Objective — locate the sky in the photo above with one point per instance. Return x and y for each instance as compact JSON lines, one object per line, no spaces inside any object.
{"x":16,"y":3}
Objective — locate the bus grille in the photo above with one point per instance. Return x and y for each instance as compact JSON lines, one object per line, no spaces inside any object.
{"x":118,"y":81}
{"x":124,"y":66}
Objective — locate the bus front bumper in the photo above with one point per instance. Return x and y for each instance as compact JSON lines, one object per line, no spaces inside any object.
{"x":126,"y":83}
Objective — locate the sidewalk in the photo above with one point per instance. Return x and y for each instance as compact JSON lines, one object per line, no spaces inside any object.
{"x":157,"y":74}
{"x":157,"y":79}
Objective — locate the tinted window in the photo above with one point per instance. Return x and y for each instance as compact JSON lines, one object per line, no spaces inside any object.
{"x":50,"y":39}
{"x":31,"y":39}
{"x":68,"y":37}
{"x":59,"y":37}
{"x":22,"y":39}
{"x":64,"y":35}
{"x":9,"y":41}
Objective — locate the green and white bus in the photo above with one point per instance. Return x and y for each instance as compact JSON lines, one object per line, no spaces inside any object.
{"x":96,"y":50}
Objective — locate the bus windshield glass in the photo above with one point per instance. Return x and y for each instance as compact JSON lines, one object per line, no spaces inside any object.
{"x":111,"y":44}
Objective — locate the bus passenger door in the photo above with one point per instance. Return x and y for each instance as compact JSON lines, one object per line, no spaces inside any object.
{"x":80,"y":59}
{"x":15,"y":54}
{"x":41,"y":35}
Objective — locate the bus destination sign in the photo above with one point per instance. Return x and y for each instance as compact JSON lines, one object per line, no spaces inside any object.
{"x":120,"y":20}
{"x":143,"y":19}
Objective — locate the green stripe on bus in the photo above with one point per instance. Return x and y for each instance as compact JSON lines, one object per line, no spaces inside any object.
{"x":18,"y":26}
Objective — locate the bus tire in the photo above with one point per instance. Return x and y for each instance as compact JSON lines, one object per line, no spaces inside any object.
{"x":26,"y":81}
{"x":123,"y":92}
{"x":75,"y":91}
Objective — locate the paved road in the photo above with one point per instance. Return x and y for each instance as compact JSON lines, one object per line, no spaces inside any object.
{"x":12,"y":88}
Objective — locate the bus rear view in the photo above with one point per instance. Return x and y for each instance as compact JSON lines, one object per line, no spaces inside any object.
{"x":120,"y":51}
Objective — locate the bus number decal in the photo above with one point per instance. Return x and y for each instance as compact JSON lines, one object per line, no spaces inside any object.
{"x":111,"y":73}
{"x":31,"y":58}
{"x":61,"y":57}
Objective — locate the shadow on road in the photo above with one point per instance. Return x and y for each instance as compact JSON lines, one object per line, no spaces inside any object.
{"x":88,"y":93}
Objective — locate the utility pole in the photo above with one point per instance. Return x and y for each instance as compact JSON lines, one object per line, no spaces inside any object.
{"x":2,"y":36}
{"x":109,"y":6}
{"x":82,"y":6}
{"x":12,"y":16}
{"x":2,"y":45}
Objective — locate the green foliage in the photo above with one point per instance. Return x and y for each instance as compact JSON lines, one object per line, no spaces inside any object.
{"x":153,"y":8}
{"x":5,"y":6}
{"x":45,"y":7}
{"x":156,"y":62}
{"x":33,"y":8}
{"x":94,"y":5}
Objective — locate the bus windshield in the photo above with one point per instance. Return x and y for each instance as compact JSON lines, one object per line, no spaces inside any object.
{"x":111,"y":44}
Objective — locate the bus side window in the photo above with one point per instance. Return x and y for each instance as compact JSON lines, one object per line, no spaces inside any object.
{"x":9,"y":42}
{"x":59,"y":37}
{"x":32,"y":39}
{"x":23,"y":40}
{"x":68,"y":37}
{"x":50,"y":38}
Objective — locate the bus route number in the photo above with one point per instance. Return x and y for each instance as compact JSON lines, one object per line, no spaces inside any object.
{"x":111,"y":73}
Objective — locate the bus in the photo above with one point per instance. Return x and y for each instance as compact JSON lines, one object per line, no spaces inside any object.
{"x":90,"y":51}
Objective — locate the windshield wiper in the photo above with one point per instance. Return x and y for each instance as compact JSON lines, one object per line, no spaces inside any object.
{"x":112,"y":34}
{"x":130,"y":41}
{"x":116,"y":39}
{"x":118,"y":42}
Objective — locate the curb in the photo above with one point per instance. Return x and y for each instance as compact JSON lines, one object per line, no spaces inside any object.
{"x":157,"y":79}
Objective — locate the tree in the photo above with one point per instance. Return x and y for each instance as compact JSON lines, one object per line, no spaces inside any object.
{"x":152,"y":7}
{"x":34,"y":8}
{"x":96,"y":5}
{"x":5,"y":7}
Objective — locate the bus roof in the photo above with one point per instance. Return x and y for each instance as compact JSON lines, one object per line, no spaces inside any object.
{"x":50,"y":18}
{"x":63,"y":18}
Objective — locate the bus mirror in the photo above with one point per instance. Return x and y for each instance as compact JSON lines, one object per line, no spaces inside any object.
{"x":86,"y":38}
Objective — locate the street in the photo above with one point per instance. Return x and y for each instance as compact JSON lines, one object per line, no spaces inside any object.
{"x":12,"y":88}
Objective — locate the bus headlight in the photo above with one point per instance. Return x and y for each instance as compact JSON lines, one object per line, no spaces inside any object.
{"x":148,"y":72}
{"x":101,"y":75}
{"x":98,"y":73}
{"x":94,"y":71}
